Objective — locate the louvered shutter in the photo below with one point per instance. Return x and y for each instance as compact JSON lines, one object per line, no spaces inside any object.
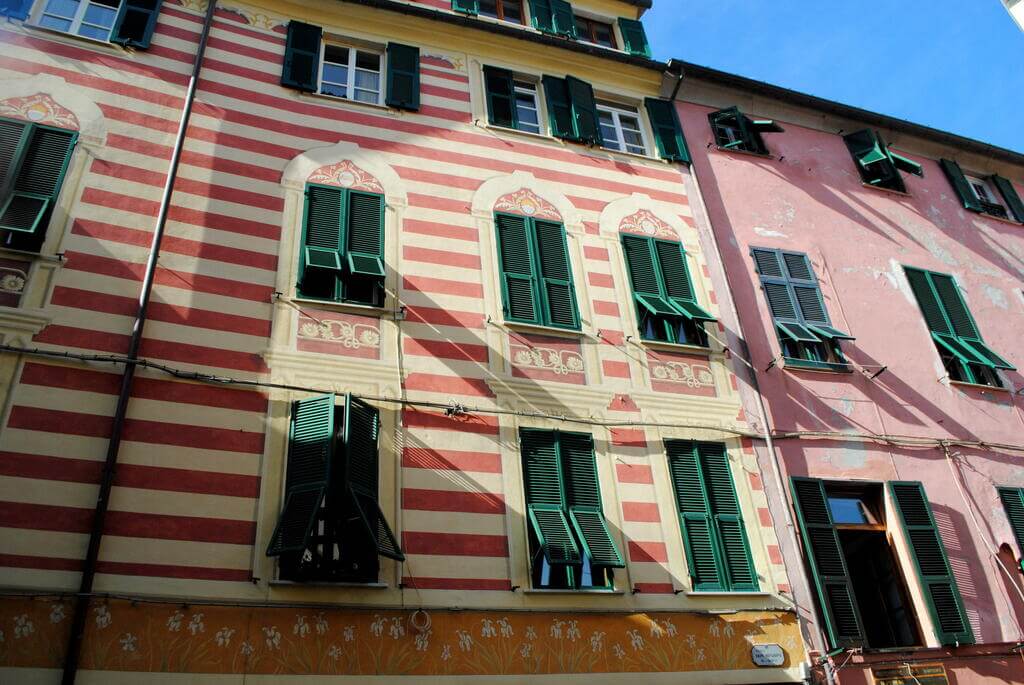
{"x":135,"y":23}
{"x":560,"y":114}
{"x":648,"y":290}
{"x":362,"y":434}
{"x":583,"y":498}
{"x":781,"y":301}
{"x":808,"y":297}
{"x":559,"y":294}
{"x":403,"y":85}
{"x":634,"y":37}
{"x":733,"y":546}
{"x":828,"y":566}
{"x":302,"y":56}
{"x":695,"y":520}
{"x":960,"y":185}
{"x":467,"y":6}
{"x":1011,"y":197}
{"x":874,"y":161}
{"x":545,"y":497}
{"x":676,"y":279}
{"x":35,"y":174}
{"x":15,"y":9}
{"x":1013,"y":503}
{"x":732,"y":118}
{"x":936,"y":576}
{"x":668,"y":132}
{"x":311,"y":447}
{"x":584,"y":110}
{"x":501,"y":97}
{"x":519,"y":287}
{"x":563,"y":20}
{"x":365,"y":234}
{"x":323,"y":233}
{"x":540,"y":12}
{"x":13,"y":137}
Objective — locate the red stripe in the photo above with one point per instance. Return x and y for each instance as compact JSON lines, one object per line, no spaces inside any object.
{"x":606,"y":308}
{"x":415,"y":418}
{"x":136,"y":430}
{"x":128,"y":116}
{"x":634,"y":473}
{"x":126,"y":569}
{"x":450,"y":460}
{"x":454,"y":385}
{"x":628,"y":437}
{"x":598,"y":253}
{"x":601,"y":280}
{"x":440,"y":257}
{"x":655,"y":588}
{"x":444,"y":349}
{"x":238,"y":49}
{"x":447,"y":93}
{"x":645,"y":512}
{"x":452,"y":500}
{"x":443,"y":204}
{"x":259,"y":146}
{"x":647,"y":552}
{"x":138,"y":146}
{"x":444,"y":317}
{"x":233,"y":27}
{"x":440,"y":230}
{"x":444,"y":74}
{"x":441,"y":286}
{"x":145,"y":388}
{"x":127,"y":524}
{"x":455,"y":544}
{"x":437,"y":178}
{"x":615,"y":369}
{"x":457,"y":583}
{"x":18,"y":465}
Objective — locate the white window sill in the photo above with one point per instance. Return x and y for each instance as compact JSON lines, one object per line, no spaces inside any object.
{"x":902,"y":193}
{"x":722,"y":593}
{"x":324,"y":584}
{"x":72,"y":38}
{"x":32,"y":255}
{"x":358,"y":104}
{"x":560,"y":591}
{"x":361,"y":309}
{"x":562,"y":143}
{"x":634,"y":155}
{"x":1000,"y":219}
{"x":748,"y":153}
{"x":979,"y":386}
{"x":515,"y":131}
{"x":542,"y":330}
{"x":676,"y":347}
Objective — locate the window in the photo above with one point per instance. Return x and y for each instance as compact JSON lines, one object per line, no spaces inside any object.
{"x":511,"y":101}
{"x":878,"y":165}
{"x":1013,"y":503}
{"x":666,"y":305}
{"x":668,"y":133}
{"x":978,"y":193}
{"x":554,"y":17}
{"x":634,"y":37}
{"x":864,"y":599}
{"x":536,"y":281}
{"x":802,"y":324}
{"x":505,"y":10}
{"x":33,"y":161}
{"x":351,"y":73}
{"x":570,"y":545}
{"x":620,"y":128}
{"x":331,"y":527}
{"x":572,"y":110}
{"x":342,"y":256}
{"x":128,"y":22}
{"x":715,"y":538}
{"x":964,"y":354}
{"x":735,"y":131}
{"x":595,"y":31}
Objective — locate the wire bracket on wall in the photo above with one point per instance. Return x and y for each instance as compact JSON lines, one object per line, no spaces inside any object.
{"x":772,"y":364}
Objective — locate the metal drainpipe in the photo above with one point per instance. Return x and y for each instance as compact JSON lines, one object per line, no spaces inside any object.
{"x":113,"y":447}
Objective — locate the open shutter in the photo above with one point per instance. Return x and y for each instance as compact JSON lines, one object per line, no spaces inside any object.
{"x":467,"y":6}
{"x":874,"y":161}
{"x":38,"y":166}
{"x":13,"y":138}
{"x":733,"y":547}
{"x":583,"y":497}
{"x":905,"y":164}
{"x":324,"y":228}
{"x":931,"y":308}
{"x":676,"y":279}
{"x":302,"y":56}
{"x":828,"y":567}
{"x":403,"y":77}
{"x":310,"y":453}
{"x":781,"y":301}
{"x":696,"y":524}
{"x":668,"y":133}
{"x":501,"y":99}
{"x":540,"y":12}
{"x":634,"y":37}
{"x":584,"y":110}
{"x":643,"y":276}
{"x":963,"y":323}
{"x":1013,"y":502}
{"x":15,"y":9}
{"x":559,"y":294}
{"x":135,"y":23}
{"x":936,"y":576}
{"x":959,"y":182}
{"x":808,"y":297}
{"x":560,"y":113}
{"x":519,"y":286}
{"x":365,"y":234}
{"x":362,"y":431}
{"x":545,"y":497}
{"x":1009,"y":194}
{"x":564,"y":23}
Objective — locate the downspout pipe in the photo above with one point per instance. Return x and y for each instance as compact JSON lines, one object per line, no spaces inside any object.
{"x":80,"y":613}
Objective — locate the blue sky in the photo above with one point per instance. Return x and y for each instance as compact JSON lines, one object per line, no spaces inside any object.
{"x":955,"y":65}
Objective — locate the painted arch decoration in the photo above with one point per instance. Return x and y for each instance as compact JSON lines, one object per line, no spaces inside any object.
{"x":527,"y":203}
{"x":646,"y":223}
{"x":39,"y":108}
{"x":346,"y":175}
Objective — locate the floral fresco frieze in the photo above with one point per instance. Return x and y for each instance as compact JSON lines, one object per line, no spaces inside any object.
{"x":340,"y":334}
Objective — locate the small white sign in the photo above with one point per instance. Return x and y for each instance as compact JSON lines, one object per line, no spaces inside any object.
{"x":767,"y":655}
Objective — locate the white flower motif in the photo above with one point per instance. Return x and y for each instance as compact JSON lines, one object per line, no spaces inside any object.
{"x":691,"y":641}
{"x":505,"y":627}
{"x":174,"y":622}
{"x":556,"y":629}
{"x":103,"y":617}
{"x":700,"y":654}
{"x":301,"y":628}
{"x":525,"y":650}
{"x":618,"y":651}
{"x":56,"y":613}
{"x":321,"y":623}
{"x":397,"y":629}
{"x":334,"y":652}
{"x":465,"y":640}
{"x":23,"y":627}
{"x":349,"y":633}
{"x":573,"y":632}
{"x":670,"y":628}
{"x":223,"y":636}
{"x":128,"y":642}
{"x":531,"y":634}
{"x":247,"y":649}
{"x":273,"y":637}
{"x":596,"y":639}
{"x":714,"y":628}
{"x":377,"y":627}
{"x":728,"y":630}
{"x":12,"y":283}
{"x":196,"y":626}
{"x":487,"y":628}
{"x":446,"y":653}
{"x":423,"y":641}
{"x":636,"y":640}
{"x":656,"y":630}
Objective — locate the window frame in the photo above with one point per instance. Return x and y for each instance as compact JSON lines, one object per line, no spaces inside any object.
{"x":517,"y":79}
{"x":500,"y":12}
{"x":590,"y":21}
{"x":78,"y":20}
{"x":616,"y":109}
{"x":350,"y":87}
{"x":993,"y":204}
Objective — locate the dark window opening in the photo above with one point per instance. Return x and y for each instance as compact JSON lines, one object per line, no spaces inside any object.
{"x":505,"y":10}
{"x":824,"y":352}
{"x":594,"y":31}
{"x":673,"y":329}
{"x":962,"y":372}
{"x":584,"y":576}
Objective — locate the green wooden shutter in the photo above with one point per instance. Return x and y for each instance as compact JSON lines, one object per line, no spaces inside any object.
{"x":936,"y":576}
{"x":545,"y":497}
{"x":676,"y":279}
{"x":323,"y":236}
{"x":634,"y":37}
{"x":560,"y":113}
{"x":302,"y":56}
{"x":668,"y":132}
{"x":14,"y":137}
{"x":781,"y":301}
{"x":362,"y":432}
{"x":558,"y":292}
{"x":874,"y":162}
{"x":960,"y":185}
{"x":519,"y":287}
{"x":467,"y":6}
{"x":695,"y":520}
{"x":308,"y":473}
{"x":583,"y":498}
{"x":563,"y":20}
{"x":365,"y":234}
{"x":540,"y":13}
{"x":648,"y":289}
{"x":827,"y":564}
{"x":733,"y":547}
{"x":1013,"y":502}
{"x":35,"y":172}
{"x":584,"y":110}
{"x":1010,"y":195}
{"x":403,"y":77}
{"x":734,"y":119}
{"x":135,"y":23}
{"x":501,"y":97}
{"x":808,"y":297}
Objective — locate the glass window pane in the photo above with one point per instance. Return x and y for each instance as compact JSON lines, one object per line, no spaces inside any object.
{"x":513,"y":10}
{"x":334,"y":73}
{"x":367,"y":60}
{"x":582,"y":28}
{"x":336,"y":54}
{"x":61,"y":8}
{"x":369,"y":80}
{"x":99,"y":15}
{"x":366,"y":96}
{"x":489,"y":8}
{"x":97,"y":32}
{"x":55,"y":23}
{"x":608,"y":138}
{"x":109,"y":3}
{"x":334,"y":89}
{"x":603,"y":34}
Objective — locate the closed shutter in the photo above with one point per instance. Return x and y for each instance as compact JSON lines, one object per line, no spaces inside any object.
{"x":135,"y":23}
{"x":365,"y":234}
{"x":501,"y":98}
{"x":13,"y":137}
{"x":936,"y":576}
{"x":519,"y":287}
{"x":324,"y":229}
{"x":668,"y":133}
{"x":559,"y":294}
{"x":1013,"y":502}
{"x":583,"y":498}
{"x":828,"y":567}
{"x":676,"y":279}
{"x":781,"y":299}
{"x":34,"y":165}
{"x":15,"y":9}
{"x":733,"y":547}
{"x":362,"y":433}
{"x":311,"y":450}
{"x":584,"y":110}
{"x":959,"y":182}
{"x":540,"y":12}
{"x":302,"y":56}
{"x":1011,"y":197}
{"x":467,"y":6}
{"x":695,"y":519}
{"x":545,"y":497}
{"x":634,"y":37}
{"x":563,"y":20}
{"x":403,"y":77}
{"x":560,"y":112}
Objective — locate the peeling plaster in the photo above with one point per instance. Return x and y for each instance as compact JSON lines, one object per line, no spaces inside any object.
{"x":768,"y":233}
{"x":996,"y":296}
{"x":893,"y":276}
{"x":851,"y":456}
